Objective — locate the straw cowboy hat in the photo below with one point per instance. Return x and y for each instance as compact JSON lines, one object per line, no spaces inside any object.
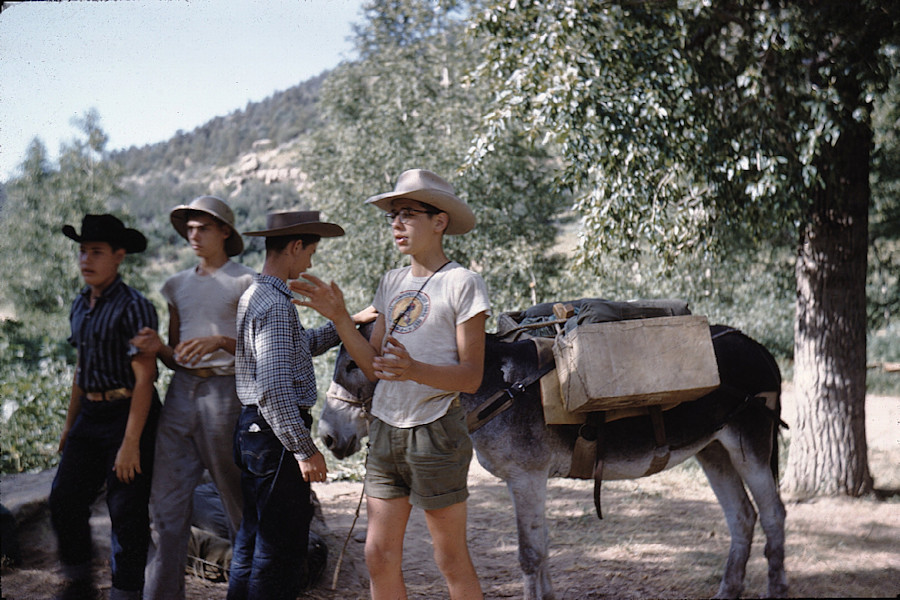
{"x":109,"y":229}
{"x":300,"y":222}
{"x":425,"y":186}
{"x":215,"y":207}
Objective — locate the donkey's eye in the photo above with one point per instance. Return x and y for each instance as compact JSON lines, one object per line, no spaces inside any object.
{"x":351,"y":366}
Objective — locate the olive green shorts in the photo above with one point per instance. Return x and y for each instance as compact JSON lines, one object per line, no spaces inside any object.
{"x":427,"y":463}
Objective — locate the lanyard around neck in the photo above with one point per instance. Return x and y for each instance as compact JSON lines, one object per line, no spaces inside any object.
{"x":413,"y":299}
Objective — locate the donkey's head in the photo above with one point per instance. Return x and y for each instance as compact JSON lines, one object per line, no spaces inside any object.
{"x":345,"y":418}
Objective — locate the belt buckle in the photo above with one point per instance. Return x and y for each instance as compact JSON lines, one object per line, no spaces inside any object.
{"x":109,"y":395}
{"x":116,"y":394}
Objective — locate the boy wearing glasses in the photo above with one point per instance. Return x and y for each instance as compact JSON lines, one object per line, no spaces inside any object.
{"x":427,"y":347}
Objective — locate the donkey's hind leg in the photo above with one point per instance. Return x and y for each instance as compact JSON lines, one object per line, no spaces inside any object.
{"x":739,"y":515}
{"x":528,"y":490}
{"x":755,"y":469}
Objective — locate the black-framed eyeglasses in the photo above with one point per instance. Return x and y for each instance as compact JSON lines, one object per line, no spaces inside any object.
{"x":405,"y":214}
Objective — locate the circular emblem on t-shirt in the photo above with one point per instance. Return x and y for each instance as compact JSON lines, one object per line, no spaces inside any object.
{"x":409,"y":310}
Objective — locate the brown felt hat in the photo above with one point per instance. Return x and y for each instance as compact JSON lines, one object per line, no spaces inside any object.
{"x":298,"y":222}
{"x":215,"y":207}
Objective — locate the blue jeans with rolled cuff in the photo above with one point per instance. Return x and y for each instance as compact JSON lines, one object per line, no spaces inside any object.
{"x":269,"y":556}
{"x":86,"y":465}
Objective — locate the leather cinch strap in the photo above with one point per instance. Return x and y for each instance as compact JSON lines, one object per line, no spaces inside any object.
{"x":503,"y":399}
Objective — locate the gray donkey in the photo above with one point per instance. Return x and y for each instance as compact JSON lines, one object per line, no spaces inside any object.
{"x":731,"y":432}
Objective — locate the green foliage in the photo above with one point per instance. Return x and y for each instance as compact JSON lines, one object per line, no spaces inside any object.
{"x":33,"y":411}
{"x":883,"y":285}
{"x":407,"y":103}
{"x":32,"y":247}
{"x":35,"y":382}
{"x":31,"y":241}
{"x":688,"y":126}
{"x":605,"y":85}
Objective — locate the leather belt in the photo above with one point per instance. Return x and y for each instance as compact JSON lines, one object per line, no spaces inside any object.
{"x":108,"y":395}
{"x":205,"y":372}
{"x":305,"y":412}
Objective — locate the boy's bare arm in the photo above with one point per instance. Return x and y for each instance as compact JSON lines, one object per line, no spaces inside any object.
{"x":314,"y":468}
{"x":74,"y":407}
{"x":188,"y":351}
{"x":128,"y":458}
{"x":148,"y":340}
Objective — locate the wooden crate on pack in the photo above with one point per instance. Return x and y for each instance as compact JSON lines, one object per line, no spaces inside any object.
{"x":639,"y":362}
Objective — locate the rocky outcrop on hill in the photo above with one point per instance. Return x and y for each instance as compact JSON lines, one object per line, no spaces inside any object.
{"x":263,"y":166}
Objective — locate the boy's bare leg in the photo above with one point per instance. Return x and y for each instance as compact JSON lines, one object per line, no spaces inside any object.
{"x":451,"y":551}
{"x":384,"y":546}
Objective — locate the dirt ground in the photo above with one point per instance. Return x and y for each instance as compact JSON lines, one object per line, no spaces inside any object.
{"x":661,"y":537}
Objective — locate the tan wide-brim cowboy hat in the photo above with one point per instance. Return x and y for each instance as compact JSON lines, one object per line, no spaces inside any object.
{"x":298,"y":222}
{"x":109,"y":229}
{"x":425,"y":186}
{"x":215,"y":207}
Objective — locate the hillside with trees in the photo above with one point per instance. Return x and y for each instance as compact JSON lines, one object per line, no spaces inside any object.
{"x":279,"y":118}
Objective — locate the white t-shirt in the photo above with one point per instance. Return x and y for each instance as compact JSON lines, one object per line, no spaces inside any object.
{"x":428,"y":331}
{"x":207,"y":305}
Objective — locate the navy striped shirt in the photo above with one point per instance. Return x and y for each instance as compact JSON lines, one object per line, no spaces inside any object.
{"x":102,"y":333}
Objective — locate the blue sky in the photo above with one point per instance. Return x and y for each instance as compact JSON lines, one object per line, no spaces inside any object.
{"x":152,"y":67}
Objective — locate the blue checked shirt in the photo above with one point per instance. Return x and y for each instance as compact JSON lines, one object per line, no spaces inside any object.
{"x":273,"y":361}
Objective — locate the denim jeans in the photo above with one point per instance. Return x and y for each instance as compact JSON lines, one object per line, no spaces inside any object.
{"x":86,"y":464}
{"x":269,"y":557}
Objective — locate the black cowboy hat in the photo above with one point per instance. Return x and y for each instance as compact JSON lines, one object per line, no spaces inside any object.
{"x":109,"y":229}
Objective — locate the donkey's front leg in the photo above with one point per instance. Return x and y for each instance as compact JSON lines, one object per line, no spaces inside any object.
{"x":528,"y":490}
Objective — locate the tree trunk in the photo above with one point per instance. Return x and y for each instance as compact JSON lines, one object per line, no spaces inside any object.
{"x":828,"y":451}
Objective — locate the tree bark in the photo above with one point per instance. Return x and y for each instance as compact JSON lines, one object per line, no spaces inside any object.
{"x":828,"y":451}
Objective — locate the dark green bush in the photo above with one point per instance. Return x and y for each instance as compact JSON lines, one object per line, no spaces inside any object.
{"x":34,"y":410}
{"x":35,"y":384}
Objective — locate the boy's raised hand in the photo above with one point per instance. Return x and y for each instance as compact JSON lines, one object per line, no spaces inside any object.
{"x":325,"y":298}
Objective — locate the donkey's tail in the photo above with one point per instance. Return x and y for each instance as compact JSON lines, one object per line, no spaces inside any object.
{"x":777,"y":426}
